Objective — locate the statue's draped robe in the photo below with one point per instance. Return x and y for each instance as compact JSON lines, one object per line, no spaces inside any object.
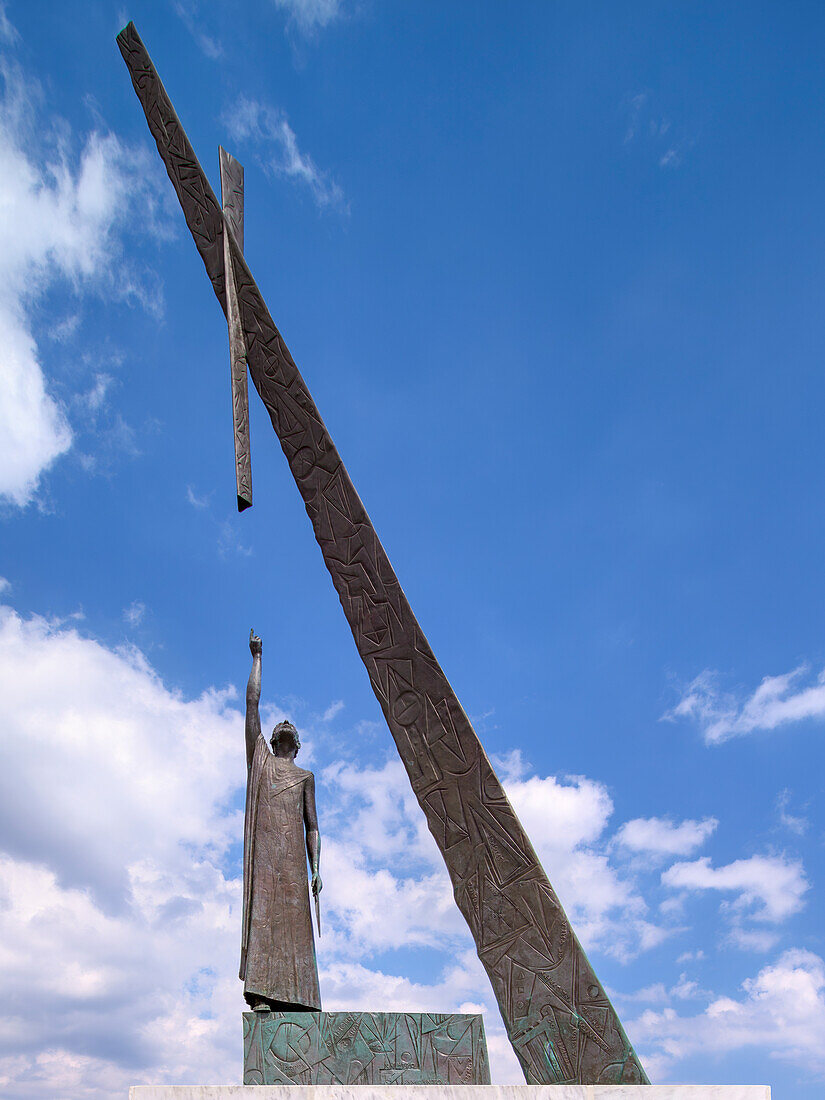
{"x":277,"y":944}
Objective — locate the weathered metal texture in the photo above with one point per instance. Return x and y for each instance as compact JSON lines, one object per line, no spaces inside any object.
{"x":557,"y":1014}
{"x":232,"y":201}
{"x":278,"y":948}
{"x":363,"y":1048}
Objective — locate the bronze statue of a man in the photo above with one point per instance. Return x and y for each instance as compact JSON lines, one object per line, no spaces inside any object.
{"x":278,"y":965}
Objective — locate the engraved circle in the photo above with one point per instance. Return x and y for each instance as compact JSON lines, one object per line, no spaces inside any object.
{"x":290,"y":1041}
{"x":406,"y":708}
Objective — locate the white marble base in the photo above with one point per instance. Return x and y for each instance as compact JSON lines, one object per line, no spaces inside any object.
{"x":450,"y":1092}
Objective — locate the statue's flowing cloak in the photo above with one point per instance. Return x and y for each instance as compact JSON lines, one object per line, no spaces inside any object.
{"x":277,"y":942}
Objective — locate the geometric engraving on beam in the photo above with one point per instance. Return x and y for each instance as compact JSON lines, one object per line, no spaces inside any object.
{"x":409,"y":666}
{"x":232,"y":200}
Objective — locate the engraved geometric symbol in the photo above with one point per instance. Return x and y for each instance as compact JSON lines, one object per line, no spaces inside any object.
{"x":303,"y":462}
{"x":406,"y":708}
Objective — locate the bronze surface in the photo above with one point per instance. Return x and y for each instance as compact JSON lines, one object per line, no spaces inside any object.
{"x":557,"y":1014}
{"x":278,"y":965}
{"x":364,"y":1048}
{"x":232,"y":200}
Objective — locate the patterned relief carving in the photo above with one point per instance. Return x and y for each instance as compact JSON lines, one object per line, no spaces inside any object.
{"x":232,"y":202}
{"x":558,"y":1016}
{"x":364,"y":1048}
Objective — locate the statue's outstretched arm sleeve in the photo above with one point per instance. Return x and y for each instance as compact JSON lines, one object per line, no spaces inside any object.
{"x":253,"y":696}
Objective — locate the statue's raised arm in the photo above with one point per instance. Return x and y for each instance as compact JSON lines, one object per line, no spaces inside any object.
{"x":253,"y":697}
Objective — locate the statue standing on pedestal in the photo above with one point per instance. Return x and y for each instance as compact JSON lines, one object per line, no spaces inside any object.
{"x":278,"y":964}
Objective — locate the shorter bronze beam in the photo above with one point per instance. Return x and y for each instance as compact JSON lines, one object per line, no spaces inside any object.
{"x":232,"y":203}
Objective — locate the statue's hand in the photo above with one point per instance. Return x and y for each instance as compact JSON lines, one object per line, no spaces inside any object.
{"x":256,"y":646}
{"x":317,"y":885}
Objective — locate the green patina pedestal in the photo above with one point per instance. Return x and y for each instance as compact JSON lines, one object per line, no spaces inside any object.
{"x":364,"y":1048}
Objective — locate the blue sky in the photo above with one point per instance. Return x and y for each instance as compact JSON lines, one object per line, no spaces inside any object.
{"x":554,"y":274}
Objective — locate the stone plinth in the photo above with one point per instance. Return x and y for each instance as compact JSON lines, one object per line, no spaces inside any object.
{"x":451,"y":1092}
{"x":363,"y":1048}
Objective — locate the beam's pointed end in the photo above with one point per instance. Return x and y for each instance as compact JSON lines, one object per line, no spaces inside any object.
{"x":244,"y":503}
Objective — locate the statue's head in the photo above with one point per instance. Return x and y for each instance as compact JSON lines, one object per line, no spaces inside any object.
{"x":285,"y":740}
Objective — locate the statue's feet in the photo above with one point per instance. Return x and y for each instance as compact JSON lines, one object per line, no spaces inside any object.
{"x":261,"y":1006}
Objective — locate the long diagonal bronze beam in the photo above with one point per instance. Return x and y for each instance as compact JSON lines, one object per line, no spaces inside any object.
{"x":558,"y":1017}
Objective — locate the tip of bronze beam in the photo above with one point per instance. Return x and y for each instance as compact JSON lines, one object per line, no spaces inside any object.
{"x":243,"y":504}
{"x":225,"y":155}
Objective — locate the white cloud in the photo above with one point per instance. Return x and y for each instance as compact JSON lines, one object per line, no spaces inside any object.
{"x":634,"y":106}
{"x":117,"y":908}
{"x":333,"y":710}
{"x":794,"y":822}
{"x":690,"y":956}
{"x":95,"y":398}
{"x":195,"y":500}
{"x":117,"y":884}
{"x":8,"y":33}
{"x":61,"y":218}
{"x":268,"y":128}
{"x":311,"y":15}
{"x":131,"y":771}
{"x":134,"y":613}
{"x":766,"y":888}
{"x":686,"y":989}
{"x":119,"y":903}
{"x":653,"y":130}
{"x":662,"y":836}
{"x":781,"y":1011}
{"x":778,"y":701}
{"x":228,"y":541}
{"x":116,"y":812}
{"x":658,"y":993}
{"x":64,"y":330}
{"x":671,"y":158}
{"x":187,"y":11}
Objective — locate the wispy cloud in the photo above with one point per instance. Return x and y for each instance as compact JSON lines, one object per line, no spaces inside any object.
{"x":796,"y":823}
{"x":267,"y":129}
{"x":229,"y":543}
{"x":333,"y":710}
{"x":8,"y":32}
{"x":644,"y":123}
{"x":690,"y":956}
{"x":134,"y":613}
{"x":226,"y":530}
{"x":778,"y":701}
{"x":199,"y":502}
{"x":188,"y":12}
{"x":311,"y":15}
